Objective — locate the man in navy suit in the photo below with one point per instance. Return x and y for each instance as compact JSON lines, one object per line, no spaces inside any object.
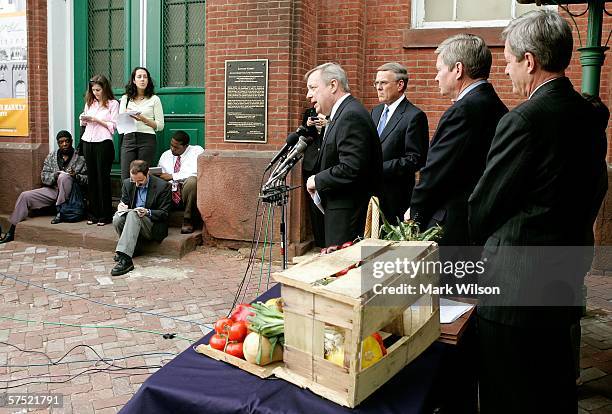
{"x":544,"y":182}
{"x":404,"y":137}
{"x":349,"y":164}
{"x":459,"y":147}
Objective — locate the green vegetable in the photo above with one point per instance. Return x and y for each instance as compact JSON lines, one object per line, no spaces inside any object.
{"x":407,"y":231}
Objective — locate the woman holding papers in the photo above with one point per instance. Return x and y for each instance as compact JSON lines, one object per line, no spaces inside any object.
{"x":98,"y":117}
{"x":141,"y":103}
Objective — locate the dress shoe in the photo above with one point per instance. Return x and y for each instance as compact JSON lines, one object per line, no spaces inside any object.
{"x":187,"y":227}
{"x":116,"y":257}
{"x":56,"y":219}
{"x":123,"y":266}
{"x":9,"y":236}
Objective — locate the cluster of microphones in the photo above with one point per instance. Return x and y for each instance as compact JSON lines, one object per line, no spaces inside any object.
{"x":293,"y":151}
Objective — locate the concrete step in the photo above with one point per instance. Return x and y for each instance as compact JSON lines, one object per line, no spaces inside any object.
{"x":40,"y":230}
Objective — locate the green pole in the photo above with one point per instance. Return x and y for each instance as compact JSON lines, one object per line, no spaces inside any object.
{"x":592,"y":55}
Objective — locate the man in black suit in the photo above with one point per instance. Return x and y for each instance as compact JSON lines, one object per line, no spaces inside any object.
{"x":142,"y":212}
{"x":543,"y":185}
{"x":350,"y":160}
{"x":404,"y":137}
{"x":459,"y":147}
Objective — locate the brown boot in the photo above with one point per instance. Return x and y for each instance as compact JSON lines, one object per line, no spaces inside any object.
{"x":187,"y":227}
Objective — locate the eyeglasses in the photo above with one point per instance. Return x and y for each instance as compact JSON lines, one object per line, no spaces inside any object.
{"x":382,"y":83}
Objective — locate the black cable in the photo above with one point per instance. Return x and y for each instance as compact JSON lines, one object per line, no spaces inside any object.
{"x":111,"y":367}
{"x":575,"y":15}
{"x":88,"y":370}
{"x":251,"y":253}
{"x":58,"y":362}
{"x":572,"y":17}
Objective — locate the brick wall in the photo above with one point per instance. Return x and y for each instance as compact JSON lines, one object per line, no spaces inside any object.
{"x":359,"y":34}
{"x":22,"y":157}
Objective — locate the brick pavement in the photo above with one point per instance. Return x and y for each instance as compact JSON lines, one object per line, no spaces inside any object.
{"x":199,"y":288}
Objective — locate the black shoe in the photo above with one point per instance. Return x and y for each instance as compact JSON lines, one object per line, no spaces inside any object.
{"x":124,"y":265}
{"x":56,"y":219}
{"x":8,"y":237}
{"x":116,"y":257}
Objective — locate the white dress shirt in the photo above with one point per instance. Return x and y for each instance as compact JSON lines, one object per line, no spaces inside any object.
{"x":189,"y":163}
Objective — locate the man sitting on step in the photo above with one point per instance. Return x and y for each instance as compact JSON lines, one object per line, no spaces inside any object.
{"x":180,"y":167}
{"x":60,"y":169}
{"x":142,"y":212}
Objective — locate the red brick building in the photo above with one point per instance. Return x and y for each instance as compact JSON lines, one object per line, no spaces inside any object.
{"x":293,"y":36}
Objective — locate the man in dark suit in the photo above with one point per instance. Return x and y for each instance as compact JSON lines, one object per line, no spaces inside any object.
{"x":459,"y":147}
{"x":142,"y":212}
{"x":543,"y":185}
{"x":350,"y":160}
{"x":404,"y":137}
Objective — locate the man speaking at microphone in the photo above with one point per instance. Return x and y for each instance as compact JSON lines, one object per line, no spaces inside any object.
{"x":350,"y":159}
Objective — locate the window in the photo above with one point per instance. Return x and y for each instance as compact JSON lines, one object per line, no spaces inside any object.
{"x":106,"y":35}
{"x":183,"y":43}
{"x":433,"y":14}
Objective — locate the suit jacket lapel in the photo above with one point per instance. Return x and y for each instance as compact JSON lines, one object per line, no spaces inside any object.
{"x":392,"y":122}
{"x":330,"y":127}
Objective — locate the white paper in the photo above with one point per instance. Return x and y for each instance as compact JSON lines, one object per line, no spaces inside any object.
{"x":125,"y":123}
{"x":451,"y":310}
{"x":317,"y":200}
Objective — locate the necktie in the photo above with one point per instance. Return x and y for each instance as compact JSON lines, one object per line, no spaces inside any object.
{"x":176,"y":195}
{"x":383,"y":121}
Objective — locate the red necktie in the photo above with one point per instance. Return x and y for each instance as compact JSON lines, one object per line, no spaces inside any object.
{"x":176,"y":195}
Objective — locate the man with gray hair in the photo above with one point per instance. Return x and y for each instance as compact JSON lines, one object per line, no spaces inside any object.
{"x":544,"y":182}
{"x":404,"y":138}
{"x":459,"y":147}
{"x":349,"y":164}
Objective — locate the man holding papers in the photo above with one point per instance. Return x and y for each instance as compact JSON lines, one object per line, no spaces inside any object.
{"x":142,"y":212}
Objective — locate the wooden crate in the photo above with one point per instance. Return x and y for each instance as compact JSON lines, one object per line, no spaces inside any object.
{"x":345,"y":303}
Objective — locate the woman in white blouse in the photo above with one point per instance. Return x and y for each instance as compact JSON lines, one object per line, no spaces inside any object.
{"x":99,"y":117}
{"x":140,"y":98}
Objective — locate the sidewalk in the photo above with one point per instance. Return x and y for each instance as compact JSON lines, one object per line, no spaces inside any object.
{"x":199,"y":288}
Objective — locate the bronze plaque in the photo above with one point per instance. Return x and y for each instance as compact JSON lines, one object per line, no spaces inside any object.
{"x":246,"y":100}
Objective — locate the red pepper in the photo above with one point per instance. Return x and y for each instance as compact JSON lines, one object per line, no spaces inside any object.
{"x":379,"y":339}
{"x":241,"y":312}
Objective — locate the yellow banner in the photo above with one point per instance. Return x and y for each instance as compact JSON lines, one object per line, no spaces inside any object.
{"x":14,"y":117}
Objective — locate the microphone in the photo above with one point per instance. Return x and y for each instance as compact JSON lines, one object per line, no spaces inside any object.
{"x":292,"y":139}
{"x":293,"y":157}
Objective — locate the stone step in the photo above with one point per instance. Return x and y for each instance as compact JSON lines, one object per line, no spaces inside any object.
{"x":40,"y":230}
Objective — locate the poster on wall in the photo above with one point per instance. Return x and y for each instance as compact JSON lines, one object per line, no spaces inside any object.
{"x":13,"y":68}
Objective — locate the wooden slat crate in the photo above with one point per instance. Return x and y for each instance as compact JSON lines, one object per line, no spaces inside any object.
{"x":346,"y":303}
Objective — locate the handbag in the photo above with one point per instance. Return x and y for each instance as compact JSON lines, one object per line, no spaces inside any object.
{"x":73,"y":209}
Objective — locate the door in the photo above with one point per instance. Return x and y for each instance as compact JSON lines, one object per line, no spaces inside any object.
{"x":166,"y":36}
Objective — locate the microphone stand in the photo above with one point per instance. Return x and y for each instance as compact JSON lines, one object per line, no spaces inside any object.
{"x":276,"y":192}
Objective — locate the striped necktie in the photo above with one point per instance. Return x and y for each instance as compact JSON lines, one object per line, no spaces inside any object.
{"x":383,"y":121}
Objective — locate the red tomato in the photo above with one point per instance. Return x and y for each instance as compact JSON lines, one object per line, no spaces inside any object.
{"x":217,"y":342}
{"x":241,"y":311}
{"x":223,"y":325}
{"x":238,"y":331}
{"x":235,"y":349}
{"x":346,"y":244}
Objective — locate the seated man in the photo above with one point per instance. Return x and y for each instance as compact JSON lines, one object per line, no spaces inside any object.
{"x":60,"y":168}
{"x":180,"y":166}
{"x":142,"y":211}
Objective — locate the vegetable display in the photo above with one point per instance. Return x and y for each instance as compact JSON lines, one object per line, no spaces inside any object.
{"x":254,"y":332}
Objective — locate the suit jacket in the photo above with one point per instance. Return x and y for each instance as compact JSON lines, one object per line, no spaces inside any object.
{"x":158,"y":201}
{"x":350,"y":168}
{"x":455,"y":162}
{"x":404,"y":142}
{"x":543,"y":185}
